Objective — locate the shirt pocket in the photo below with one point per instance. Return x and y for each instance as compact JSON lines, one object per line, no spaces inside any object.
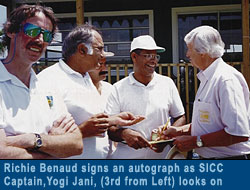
{"x":204,"y":112}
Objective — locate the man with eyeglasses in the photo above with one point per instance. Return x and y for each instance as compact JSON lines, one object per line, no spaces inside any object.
{"x":144,"y":92}
{"x":83,"y":51}
{"x":34,"y":123}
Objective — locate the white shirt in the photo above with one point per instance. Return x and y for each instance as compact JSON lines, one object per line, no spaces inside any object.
{"x":157,"y":102}
{"x":222,"y":102}
{"x":106,"y":90}
{"x":26,"y":110}
{"x":82,"y":100}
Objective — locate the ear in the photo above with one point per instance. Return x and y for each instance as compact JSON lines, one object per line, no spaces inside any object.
{"x":82,"y":49}
{"x":203,"y":55}
{"x":11,"y":35}
{"x":133,"y":56}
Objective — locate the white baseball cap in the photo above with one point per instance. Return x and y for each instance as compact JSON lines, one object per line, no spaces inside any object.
{"x":145,"y":42}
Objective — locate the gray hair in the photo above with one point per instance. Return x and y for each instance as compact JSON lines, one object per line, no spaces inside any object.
{"x":81,"y":34}
{"x":206,"y":39}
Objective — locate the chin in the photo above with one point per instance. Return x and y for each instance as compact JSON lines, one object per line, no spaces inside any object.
{"x":34,"y":60}
{"x":102,"y":77}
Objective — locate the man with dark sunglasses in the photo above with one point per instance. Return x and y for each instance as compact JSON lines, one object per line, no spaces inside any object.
{"x":34,"y":31}
{"x":34,"y":122}
{"x":144,"y":92}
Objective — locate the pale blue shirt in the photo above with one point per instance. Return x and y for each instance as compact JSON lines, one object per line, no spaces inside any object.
{"x":222,"y":102}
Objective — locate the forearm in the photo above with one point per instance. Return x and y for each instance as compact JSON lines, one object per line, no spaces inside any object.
{"x":11,"y":152}
{"x":25,"y":141}
{"x":179,"y":121}
{"x":115,"y":133}
{"x":225,"y":139}
{"x":62,"y":146}
{"x":186,"y":129}
{"x":183,"y":130}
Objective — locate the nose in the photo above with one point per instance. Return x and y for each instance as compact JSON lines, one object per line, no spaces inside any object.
{"x":104,"y":66}
{"x":40,"y":37}
{"x":103,"y":58}
{"x":102,"y":54}
{"x":101,"y":63}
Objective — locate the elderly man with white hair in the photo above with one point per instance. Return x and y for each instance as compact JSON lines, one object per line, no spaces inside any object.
{"x":221,"y":119}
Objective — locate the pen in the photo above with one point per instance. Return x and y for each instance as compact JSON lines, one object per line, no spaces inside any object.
{"x":165,"y":126}
{"x":163,"y":129}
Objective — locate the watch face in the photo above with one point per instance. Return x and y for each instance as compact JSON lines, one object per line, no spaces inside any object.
{"x":39,"y":143}
{"x":199,"y":144}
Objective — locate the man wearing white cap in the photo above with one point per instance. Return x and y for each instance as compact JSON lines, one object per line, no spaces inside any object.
{"x":146,"y":93}
{"x":83,"y":51}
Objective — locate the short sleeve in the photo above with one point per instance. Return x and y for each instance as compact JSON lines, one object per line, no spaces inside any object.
{"x":176,"y":108}
{"x":234,"y":110}
{"x":113,"y":104}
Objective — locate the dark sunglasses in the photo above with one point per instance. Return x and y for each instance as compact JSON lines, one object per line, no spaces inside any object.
{"x":33,"y":31}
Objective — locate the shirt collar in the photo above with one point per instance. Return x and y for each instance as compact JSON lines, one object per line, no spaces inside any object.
{"x":209,"y":71}
{"x":5,"y":76}
{"x":68,"y":69}
{"x":133,"y":81}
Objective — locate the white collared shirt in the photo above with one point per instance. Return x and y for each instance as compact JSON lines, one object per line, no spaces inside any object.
{"x":26,"y":110}
{"x":157,"y":102}
{"x":222,"y":102}
{"x":82,"y":100}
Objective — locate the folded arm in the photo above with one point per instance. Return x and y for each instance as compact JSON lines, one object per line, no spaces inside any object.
{"x":64,"y":140}
{"x":7,"y":151}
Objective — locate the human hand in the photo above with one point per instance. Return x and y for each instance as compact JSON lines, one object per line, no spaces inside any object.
{"x":95,"y":126}
{"x":159,"y":147}
{"x":135,"y":139}
{"x":64,"y":124}
{"x":185,"y":143}
{"x":125,"y":119}
{"x":170,"y":132}
{"x":156,"y":139}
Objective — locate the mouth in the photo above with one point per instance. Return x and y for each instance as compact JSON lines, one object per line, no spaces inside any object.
{"x":35,"y":49}
{"x":103,"y":73}
{"x":151,"y":66}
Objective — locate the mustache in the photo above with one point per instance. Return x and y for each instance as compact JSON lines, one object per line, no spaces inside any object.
{"x":34,"y":44}
{"x":103,"y":73}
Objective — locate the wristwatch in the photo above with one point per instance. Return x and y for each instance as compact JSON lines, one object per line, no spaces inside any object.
{"x":199,"y":142}
{"x":38,"y":142}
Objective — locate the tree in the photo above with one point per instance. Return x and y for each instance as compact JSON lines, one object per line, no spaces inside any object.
{"x":2,"y":45}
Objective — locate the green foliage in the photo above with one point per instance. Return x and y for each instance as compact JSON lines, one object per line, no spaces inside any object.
{"x":2,"y":47}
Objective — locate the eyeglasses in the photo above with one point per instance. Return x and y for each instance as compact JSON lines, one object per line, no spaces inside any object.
{"x":151,"y":56}
{"x":100,"y":49}
{"x":33,"y":31}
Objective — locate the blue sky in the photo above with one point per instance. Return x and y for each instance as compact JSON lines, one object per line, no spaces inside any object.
{"x":3,"y":15}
